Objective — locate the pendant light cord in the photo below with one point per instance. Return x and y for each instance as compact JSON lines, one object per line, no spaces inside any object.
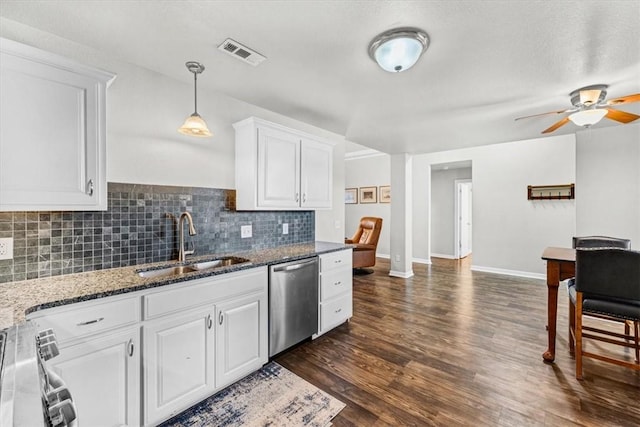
{"x":195,"y":92}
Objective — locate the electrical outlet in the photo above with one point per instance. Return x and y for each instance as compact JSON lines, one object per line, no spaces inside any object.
{"x":6,"y":248}
{"x":245,"y":231}
{"x":397,"y":258}
{"x":285,"y":228}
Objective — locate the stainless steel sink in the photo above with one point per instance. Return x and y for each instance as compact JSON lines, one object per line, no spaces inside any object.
{"x":176,"y":270}
{"x":168,"y":271}
{"x":220,"y":262}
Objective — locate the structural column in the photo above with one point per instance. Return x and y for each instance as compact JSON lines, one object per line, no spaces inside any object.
{"x":401,"y":216}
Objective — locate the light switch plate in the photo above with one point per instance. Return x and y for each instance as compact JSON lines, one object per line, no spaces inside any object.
{"x":6,"y":248}
{"x":245,"y":231}
{"x":285,"y":228}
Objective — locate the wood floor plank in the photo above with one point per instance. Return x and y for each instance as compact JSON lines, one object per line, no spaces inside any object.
{"x":451,"y":346}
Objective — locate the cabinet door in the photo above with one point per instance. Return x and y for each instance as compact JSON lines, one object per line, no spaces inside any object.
{"x":52,"y":138}
{"x":178,"y":363}
{"x":241,"y":341}
{"x":316,"y":174}
{"x":103,"y":376}
{"x":278,"y":169}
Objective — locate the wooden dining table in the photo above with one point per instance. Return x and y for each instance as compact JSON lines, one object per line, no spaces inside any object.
{"x":561,"y":265}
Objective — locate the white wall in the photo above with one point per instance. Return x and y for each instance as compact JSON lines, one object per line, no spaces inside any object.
{"x":367,"y":172}
{"x":145,"y":108}
{"x":509,"y":231}
{"x":443,"y":197}
{"x":608,"y":182}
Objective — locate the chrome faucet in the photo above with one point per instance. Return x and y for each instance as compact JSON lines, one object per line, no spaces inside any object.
{"x":182,"y":254}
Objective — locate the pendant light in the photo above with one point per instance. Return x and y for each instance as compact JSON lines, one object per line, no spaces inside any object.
{"x":194,"y":125}
{"x":398,"y":49}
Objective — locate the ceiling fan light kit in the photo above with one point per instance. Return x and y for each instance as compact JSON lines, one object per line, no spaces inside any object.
{"x":587,"y":118}
{"x":195,"y":125}
{"x":399,"y":49}
{"x":589,"y":107}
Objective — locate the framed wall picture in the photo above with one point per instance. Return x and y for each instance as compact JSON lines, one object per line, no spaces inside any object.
{"x":385,"y":194}
{"x":368,"y":194}
{"x":351,"y":196}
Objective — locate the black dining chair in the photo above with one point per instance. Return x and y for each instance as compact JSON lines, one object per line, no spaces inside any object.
{"x":594,"y":242}
{"x":607,"y":285}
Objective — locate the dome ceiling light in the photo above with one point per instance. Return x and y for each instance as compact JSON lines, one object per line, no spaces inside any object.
{"x":195,"y":125}
{"x":398,"y":49}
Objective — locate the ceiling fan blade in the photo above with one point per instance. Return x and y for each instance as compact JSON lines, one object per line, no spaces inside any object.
{"x":624,"y":99}
{"x":544,"y":114}
{"x":556,"y":125}
{"x":621,"y":116}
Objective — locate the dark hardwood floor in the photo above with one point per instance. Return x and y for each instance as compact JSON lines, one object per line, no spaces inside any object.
{"x":453,"y":347}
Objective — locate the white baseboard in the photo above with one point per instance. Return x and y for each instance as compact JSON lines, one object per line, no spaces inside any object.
{"x":516,"y":273}
{"x":443,"y":256}
{"x":416,"y":260}
{"x":401,"y":274}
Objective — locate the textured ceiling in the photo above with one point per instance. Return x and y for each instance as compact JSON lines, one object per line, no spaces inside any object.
{"x":488,"y":63}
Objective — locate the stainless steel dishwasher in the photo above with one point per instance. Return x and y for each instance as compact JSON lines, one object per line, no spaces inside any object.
{"x":293,"y":303}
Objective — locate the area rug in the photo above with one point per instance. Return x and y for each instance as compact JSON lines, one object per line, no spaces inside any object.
{"x":272,"y":396}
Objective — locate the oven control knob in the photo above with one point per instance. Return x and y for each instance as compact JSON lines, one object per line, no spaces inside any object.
{"x":45,"y":333}
{"x":63,"y":414}
{"x":58,"y":395}
{"x":49,"y":350}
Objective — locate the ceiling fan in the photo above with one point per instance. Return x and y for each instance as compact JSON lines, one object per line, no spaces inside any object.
{"x":589,"y":107}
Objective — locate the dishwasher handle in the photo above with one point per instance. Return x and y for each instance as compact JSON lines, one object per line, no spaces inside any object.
{"x":294,"y":266}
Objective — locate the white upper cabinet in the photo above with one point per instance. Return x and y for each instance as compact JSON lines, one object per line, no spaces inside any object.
{"x":278,"y":168}
{"x":52,"y":131}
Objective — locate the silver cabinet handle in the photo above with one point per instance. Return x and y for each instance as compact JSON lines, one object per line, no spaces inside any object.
{"x":338,"y":283}
{"x":297,"y":197}
{"x":221,"y":318}
{"x":90,"y":187}
{"x":131,"y":348}
{"x":90,"y":322}
{"x":338,"y":310}
{"x":304,"y":197}
{"x":209,"y":322}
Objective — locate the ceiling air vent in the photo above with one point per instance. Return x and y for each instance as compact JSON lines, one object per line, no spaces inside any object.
{"x":241,"y":52}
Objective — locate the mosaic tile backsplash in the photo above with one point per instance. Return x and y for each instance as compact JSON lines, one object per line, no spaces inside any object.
{"x":140,"y":226}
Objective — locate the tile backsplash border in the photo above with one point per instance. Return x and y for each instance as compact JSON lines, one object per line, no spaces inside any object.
{"x":140,"y":226}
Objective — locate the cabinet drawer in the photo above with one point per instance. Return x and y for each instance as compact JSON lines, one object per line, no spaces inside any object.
{"x":336,"y":311}
{"x":202,"y":291}
{"x":83,"y":319}
{"x":334,"y":260}
{"x":335,"y":282}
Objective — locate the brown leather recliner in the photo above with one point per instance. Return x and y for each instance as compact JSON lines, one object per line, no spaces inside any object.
{"x":366,"y":241}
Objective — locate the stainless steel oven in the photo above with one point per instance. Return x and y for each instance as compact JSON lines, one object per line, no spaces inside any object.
{"x":32,"y":394}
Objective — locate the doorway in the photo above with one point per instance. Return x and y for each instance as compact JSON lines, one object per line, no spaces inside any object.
{"x":463,"y":218}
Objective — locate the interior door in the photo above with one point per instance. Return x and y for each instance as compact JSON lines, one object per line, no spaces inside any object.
{"x":465,"y":196}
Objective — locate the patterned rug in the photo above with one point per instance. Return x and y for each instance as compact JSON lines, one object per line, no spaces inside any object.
{"x":272,"y":396}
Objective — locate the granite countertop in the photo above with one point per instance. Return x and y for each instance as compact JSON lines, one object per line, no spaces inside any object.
{"x":20,"y":298}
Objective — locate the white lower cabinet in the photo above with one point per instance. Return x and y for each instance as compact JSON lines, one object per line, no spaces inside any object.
{"x":336,"y":289}
{"x":241,"y":341}
{"x":201,"y":336}
{"x":103,"y":375}
{"x":178,"y":362}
